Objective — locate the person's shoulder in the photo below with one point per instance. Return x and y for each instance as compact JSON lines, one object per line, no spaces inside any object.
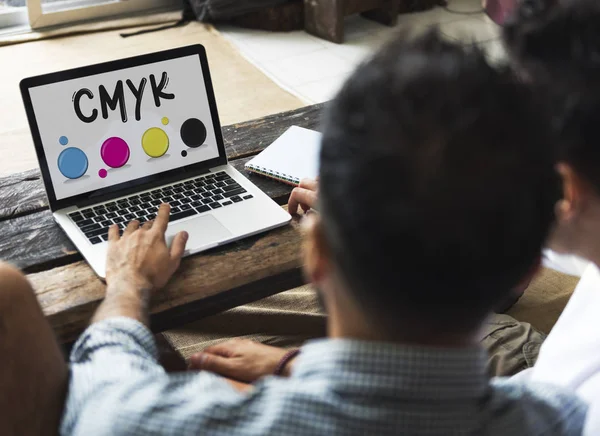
{"x":544,"y":407}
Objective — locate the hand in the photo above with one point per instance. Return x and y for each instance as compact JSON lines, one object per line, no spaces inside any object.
{"x":305,"y":196}
{"x":141,"y":257}
{"x":137,"y":264}
{"x":239,"y":386}
{"x":241,"y":359}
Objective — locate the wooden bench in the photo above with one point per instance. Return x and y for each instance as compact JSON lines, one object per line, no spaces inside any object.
{"x":325,"y":18}
{"x":206,"y":284}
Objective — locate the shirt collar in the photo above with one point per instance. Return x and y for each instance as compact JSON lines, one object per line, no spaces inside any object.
{"x":414,"y":371}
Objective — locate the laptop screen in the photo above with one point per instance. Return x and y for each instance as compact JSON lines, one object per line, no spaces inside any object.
{"x":119,"y":126}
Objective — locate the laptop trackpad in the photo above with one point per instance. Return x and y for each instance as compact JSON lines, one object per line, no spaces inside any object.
{"x":204,"y":230}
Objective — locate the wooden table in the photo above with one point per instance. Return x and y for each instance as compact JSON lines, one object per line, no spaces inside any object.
{"x":238,"y":273}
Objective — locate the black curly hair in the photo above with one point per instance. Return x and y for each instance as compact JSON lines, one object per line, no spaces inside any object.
{"x":557,"y":42}
{"x":436,"y":183}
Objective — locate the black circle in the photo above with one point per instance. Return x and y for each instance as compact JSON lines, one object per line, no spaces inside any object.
{"x":193,"y":132}
{"x":184,"y":153}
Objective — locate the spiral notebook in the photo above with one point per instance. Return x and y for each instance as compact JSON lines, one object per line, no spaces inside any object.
{"x":292,"y":157}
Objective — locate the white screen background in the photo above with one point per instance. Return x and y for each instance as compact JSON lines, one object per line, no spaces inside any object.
{"x":55,"y":115}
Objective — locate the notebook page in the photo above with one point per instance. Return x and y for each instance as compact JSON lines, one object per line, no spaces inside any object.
{"x":294,"y":154}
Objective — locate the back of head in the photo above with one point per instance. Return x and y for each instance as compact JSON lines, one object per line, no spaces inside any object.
{"x":436,"y":184}
{"x":556,"y":41}
{"x":557,"y":45}
{"x":578,"y":136}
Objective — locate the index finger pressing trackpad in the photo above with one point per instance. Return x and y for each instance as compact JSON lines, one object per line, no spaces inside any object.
{"x":203,"y":231}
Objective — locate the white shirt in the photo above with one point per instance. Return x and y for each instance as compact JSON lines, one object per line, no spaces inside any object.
{"x":570,"y":356}
{"x":565,"y":263}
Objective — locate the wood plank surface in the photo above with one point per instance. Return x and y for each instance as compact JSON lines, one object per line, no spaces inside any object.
{"x":24,"y":193}
{"x":251,"y":137}
{"x":219,"y":279}
{"x":21,"y":193}
{"x":205,"y":284}
{"x":34,"y":242}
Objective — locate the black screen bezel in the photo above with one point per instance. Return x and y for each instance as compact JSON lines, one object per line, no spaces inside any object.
{"x":121,"y":189}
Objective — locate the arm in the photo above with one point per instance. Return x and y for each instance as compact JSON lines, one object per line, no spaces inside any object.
{"x":138,"y":264}
{"x":114,"y":365}
{"x":243,"y":360}
{"x":118,"y":388}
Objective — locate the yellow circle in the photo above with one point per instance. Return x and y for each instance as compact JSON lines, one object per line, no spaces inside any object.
{"x":165,"y":121}
{"x":155,"y":142}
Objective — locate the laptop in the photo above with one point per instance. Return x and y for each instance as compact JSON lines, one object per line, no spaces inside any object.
{"x":117,"y":139}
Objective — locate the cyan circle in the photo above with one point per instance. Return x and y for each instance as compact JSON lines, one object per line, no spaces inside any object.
{"x":72,"y":163}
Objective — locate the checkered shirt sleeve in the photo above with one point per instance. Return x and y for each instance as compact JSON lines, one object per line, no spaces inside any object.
{"x":339,"y":387}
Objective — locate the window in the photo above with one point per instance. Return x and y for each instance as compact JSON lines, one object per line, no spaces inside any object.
{"x":48,"y":13}
{"x":12,"y":13}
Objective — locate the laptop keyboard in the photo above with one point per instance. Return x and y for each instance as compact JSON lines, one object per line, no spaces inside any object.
{"x":188,"y":198}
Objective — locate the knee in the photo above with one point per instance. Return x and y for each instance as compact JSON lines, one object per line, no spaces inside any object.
{"x":14,"y":287}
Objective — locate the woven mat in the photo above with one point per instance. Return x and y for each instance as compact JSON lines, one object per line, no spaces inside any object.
{"x":242,"y":91}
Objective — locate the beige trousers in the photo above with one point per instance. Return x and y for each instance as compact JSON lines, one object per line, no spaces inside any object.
{"x":290,"y":318}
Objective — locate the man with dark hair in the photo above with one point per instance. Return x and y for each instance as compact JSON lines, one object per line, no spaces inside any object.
{"x":413,"y":191}
{"x":555,"y":43}
{"x":557,"y":47}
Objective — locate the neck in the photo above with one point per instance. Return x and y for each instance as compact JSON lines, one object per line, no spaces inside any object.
{"x":593,"y":257}
{"x":578,"y":232}
{"x":587,"y":241}
{"x":588,"y":247}
{"x":347,"y":320}
{"x":415,"y":338}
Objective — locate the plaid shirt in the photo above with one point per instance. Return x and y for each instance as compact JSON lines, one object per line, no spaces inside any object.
{"x":339,"y":387}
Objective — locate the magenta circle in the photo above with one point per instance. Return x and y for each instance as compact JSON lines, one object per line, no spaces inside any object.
{"x":115,"y":152}
{"x":102,"y":173}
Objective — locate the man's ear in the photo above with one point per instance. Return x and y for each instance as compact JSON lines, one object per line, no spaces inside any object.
{"x":315,"y":251}
{"x":575,"y":193}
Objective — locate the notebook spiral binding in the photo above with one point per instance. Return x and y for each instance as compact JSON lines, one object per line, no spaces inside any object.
{"x":285,"y":178}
